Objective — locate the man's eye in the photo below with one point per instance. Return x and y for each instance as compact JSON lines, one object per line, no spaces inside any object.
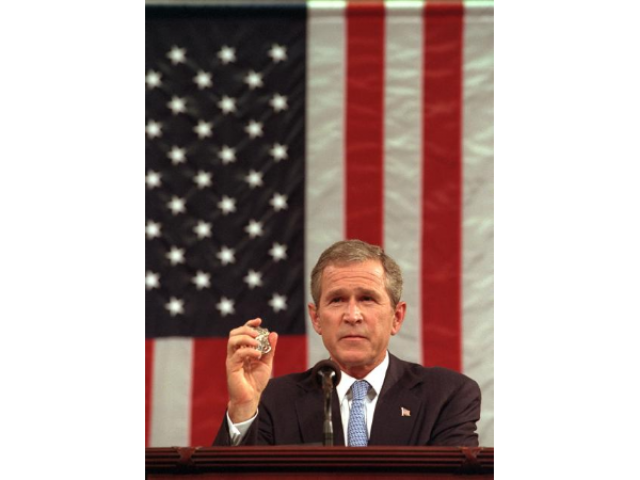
{"x":335,"y":300}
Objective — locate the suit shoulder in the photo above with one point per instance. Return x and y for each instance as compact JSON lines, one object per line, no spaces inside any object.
{"x":441,"y":372}
{"x":441,"y":376}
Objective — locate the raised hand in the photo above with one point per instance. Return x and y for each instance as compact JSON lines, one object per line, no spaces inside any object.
{"x":248,"y":370}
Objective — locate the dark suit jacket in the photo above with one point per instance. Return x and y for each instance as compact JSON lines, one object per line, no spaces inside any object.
{"x":444,"y":406}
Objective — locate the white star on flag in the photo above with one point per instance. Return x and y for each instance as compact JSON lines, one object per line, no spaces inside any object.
{"x":227,"y":54}
{"x":278,"y":152}
{"x":177,"y":155}
{"x":254,"y":129}
{"x":153,"y":79}
{"x":154,"y":129}
{"x":177,"y":55}
{"x":278,"y":302}
{"x":202,"y":229}
{"x":227,"y":154}
{"x":225,"y":305}
{"x":177,"y":105}
{"x":175,"y":255}
{"x":278,"y":53}
{"x":253,"y":79}
{"x":253,"y":279}
{"x":227,"y":205}
{"x":203,"y":129}
{"x":227,"y":104}
{"x":176,"y":205}
{"x":278,"y":102}
{"x":202,"y":280}
{"x":153,"y":179}
{"x":202,"y":179}
{"x":254,"y":179}
{"x":152,"y":229}
{"x":203,"y":80}
{"x":152,"y":280}
{"x":226,"y":255}
{"x":278,"y":202}
{"x":278,"y":252}
{"x":175,"y":306}
{"x":254,"y":229}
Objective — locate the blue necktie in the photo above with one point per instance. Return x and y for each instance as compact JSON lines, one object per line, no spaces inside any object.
{"x":357,"y":430}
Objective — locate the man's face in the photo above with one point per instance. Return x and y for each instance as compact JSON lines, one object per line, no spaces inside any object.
{"x":355,"y":316}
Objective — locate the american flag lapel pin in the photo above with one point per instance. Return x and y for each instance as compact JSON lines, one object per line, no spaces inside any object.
{"x":405,"y":412}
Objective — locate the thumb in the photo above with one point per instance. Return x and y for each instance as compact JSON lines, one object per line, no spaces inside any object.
{"x":273,"y":341}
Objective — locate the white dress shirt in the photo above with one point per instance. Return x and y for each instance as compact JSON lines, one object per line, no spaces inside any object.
{"x":375,"y":378}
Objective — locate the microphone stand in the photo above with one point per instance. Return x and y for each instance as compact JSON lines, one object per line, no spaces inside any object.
{"x":327,"y":374}
{"x":327,"y":388}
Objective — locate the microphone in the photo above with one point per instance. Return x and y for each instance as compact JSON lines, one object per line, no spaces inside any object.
{"x":324,"y":372}
{"x":327,"y":375}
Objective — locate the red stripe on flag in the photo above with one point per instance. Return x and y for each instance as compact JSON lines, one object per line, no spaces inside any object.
{"x":442,"y":186}
{"x":148,"y":382}
{"x":291,"y":355}
{"x":365,"y":122}
{"x":209,"y":394}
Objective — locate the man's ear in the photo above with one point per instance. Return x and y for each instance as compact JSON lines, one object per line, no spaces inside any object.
{"x":315,"y":320}
{"x":398,"y":317}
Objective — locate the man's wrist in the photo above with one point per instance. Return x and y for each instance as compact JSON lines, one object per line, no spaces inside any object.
{"x":241,"y":413}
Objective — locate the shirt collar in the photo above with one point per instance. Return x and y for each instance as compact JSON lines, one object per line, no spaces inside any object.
{"x":375,"y":379}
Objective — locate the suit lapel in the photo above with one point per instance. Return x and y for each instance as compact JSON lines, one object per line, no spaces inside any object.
{"x":390,"y":425}
{"x":310,"y":415}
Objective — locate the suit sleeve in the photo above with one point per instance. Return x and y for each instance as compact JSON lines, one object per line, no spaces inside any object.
{"x":260,"y":432}
{"x":223,"y":438}
{"x":456,"y":424}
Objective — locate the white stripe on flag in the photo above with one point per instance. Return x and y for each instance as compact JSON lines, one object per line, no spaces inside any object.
{"x":171,"y":392}
{"x":403,"y":164}
{"x":324,"y":183}
{"x":477,"y":312}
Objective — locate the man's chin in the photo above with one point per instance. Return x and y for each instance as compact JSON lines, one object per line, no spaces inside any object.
{"x":349,"y":360}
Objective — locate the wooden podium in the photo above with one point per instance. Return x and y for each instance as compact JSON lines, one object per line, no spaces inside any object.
{"x":205,"y":463}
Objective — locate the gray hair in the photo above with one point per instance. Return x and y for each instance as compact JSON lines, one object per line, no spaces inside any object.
{"x":356,"y":251}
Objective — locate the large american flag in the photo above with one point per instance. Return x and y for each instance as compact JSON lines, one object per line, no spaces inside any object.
{"x":274,"y":131}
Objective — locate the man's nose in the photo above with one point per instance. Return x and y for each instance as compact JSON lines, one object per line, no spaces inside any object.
{"x":353,"y":313}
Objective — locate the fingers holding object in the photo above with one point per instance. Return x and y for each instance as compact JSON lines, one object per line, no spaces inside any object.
{"x":241,"y":341}
{"x":248,"y":328}
{"x":252,"y":335}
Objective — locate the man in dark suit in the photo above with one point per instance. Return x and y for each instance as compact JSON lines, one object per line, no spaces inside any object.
{"x":380,"y":400}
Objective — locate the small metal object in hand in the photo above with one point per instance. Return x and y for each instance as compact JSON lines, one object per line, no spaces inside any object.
{"x":263,"y":338}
